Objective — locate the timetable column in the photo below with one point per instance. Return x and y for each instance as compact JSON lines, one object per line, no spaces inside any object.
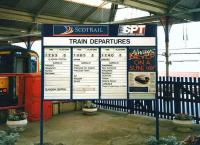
{"x":57,"y":73}
{"x":85,"y":73}
{"x":114,"y":73}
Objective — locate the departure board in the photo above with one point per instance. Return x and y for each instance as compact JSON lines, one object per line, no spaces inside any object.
{"x":99,"y":61}
{"x":113,"y":73}
{"x":85,"y":73}
{"x":57,"y":73}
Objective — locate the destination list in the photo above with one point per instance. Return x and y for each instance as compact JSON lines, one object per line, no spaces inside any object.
{"x":113,"y":73}
{"x":85,"y":73}
{"x":57,"y":73}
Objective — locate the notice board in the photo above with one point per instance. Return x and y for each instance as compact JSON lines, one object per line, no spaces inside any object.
{"x":85,"y":62}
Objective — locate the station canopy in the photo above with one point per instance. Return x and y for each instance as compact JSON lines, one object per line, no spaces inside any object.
{"x":22,"y":18}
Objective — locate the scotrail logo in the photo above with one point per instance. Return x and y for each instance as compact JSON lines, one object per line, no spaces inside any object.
{"x":80,"y":30}
{"x":68,"y":30}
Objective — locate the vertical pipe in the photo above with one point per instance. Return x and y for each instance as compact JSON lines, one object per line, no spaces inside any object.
{"x":167,"y":44}
{"x":28,"y":43}
{"x":42,"y":121}
{"x":157,"y":120}
{"x":156,"y":95}
{"x":42,"y":95}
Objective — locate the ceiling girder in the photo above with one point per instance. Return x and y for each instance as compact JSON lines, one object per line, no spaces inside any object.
{"x":156,"y":8}
{"x":181,"y":14}
{"x":18,"y":3}
{"x":140,"y":5}
{"x":37,"y":11}
{"x":195,"y":10}
{"x":93,"y":11}
{"x":9,"y":14}
{"x":22,"y":36}
{"x":5,"y":32}
{"x":113,"y":12}
{"x":173,"y":5}
{"x":141,"y":20}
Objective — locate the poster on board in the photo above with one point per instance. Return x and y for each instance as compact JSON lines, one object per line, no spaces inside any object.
{"x":142,"y":72}
{"x":100,"y":61}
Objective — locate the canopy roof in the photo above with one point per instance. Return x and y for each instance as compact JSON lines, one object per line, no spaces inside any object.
{"x":24,"y":17}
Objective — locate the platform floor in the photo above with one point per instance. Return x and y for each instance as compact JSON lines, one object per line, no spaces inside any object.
{"x":104,"y":128}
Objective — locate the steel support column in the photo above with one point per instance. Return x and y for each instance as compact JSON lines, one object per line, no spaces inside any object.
{"x":165,"y":21}
{"x":28,"y":42}
{"x":113,"y":11}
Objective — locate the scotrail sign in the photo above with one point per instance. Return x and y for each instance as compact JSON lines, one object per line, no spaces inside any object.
{"x":99,"y":62}
{"x":80,"y":30}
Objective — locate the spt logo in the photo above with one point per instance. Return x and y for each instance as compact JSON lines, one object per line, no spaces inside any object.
{"x":132,"y":30}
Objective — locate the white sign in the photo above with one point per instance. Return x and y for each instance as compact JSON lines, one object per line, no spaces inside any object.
{"x":132,"y":30}
{"x":85,"y":73}
{"x":99,"y":41}
{"x":57,"y":71}
{"x":113,"y":73}
{"x":142,"y":85}
{"x":85,"y":62}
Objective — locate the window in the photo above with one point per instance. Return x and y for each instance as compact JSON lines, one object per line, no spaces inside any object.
{"x":33,"y":64}
{"x":5,"y":64}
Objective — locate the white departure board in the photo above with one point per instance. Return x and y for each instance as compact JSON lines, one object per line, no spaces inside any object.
{"x":85,"y":73}
{"x":100,"y":61}
{"x":113,"y":73}
{"x":57,"y":73}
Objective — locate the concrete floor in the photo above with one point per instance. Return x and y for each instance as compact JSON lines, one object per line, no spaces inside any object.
{"x":104,"y":128}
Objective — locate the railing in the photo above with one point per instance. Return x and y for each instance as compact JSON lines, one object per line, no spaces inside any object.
{"x":175,"y":95}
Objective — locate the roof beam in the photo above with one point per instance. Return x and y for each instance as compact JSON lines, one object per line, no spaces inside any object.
{"x":195,"y":10}
{"x":8,"y":33}
{"x":141,"y":20}
{"x":12,"y":31}
{"x":40,"y":7}
{"x":173,"y":5}
{"x":156,"y":8}
{"x":9,"y":14}
{"x":37,"y":11}
{"x":164,"y":5}
{"x":18,"y":3}
{"x":38,"y":35}
{"x":142,"y":5}
{"x":113,"y":11}
{"x":185,"y":16}
{"x":93,"y":11}
{"x":154,"y":3}
{"x":145,"y":20}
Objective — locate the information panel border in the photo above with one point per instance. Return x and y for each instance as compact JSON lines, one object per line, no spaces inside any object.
{"x":69,"y":46}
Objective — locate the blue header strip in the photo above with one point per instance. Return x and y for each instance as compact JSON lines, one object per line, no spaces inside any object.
{"x":103,"y":30}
